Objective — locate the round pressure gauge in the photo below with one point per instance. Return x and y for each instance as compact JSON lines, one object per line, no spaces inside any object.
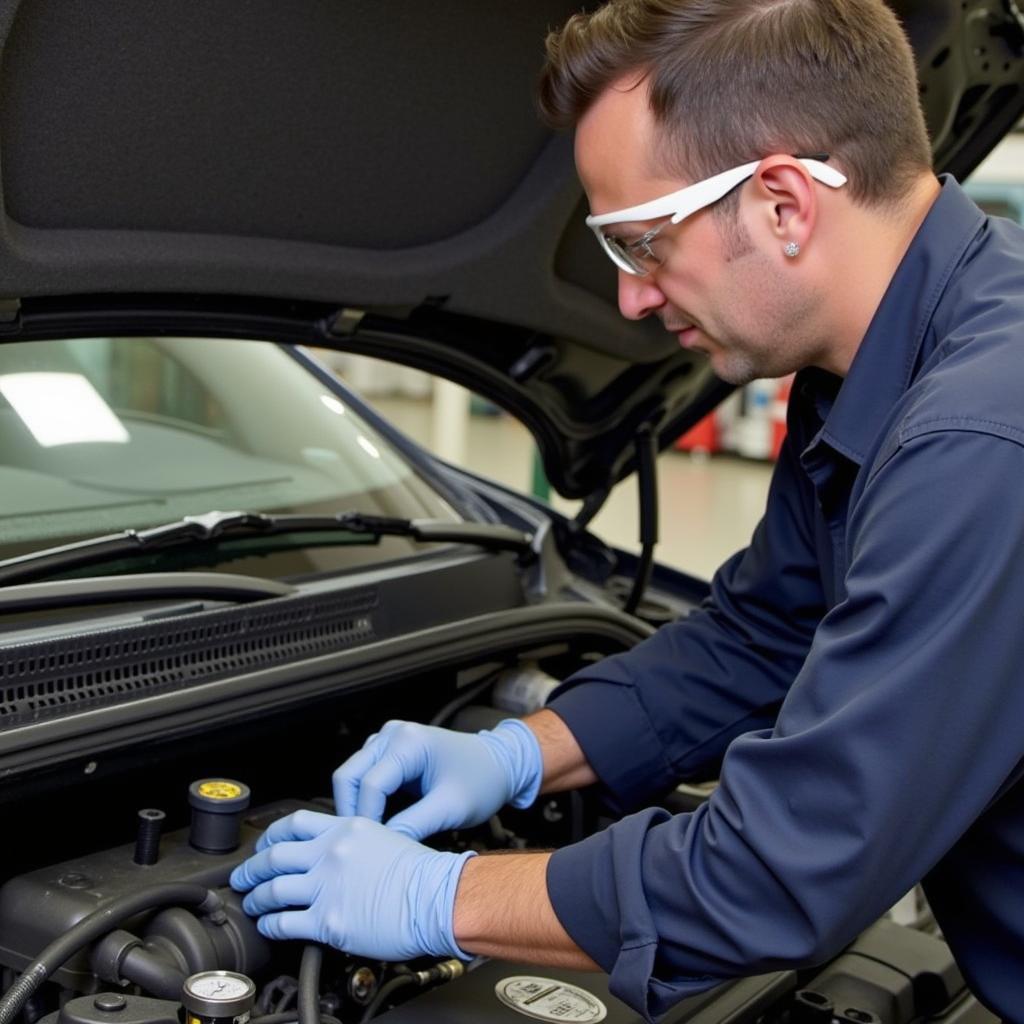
{"x":218,"y":996}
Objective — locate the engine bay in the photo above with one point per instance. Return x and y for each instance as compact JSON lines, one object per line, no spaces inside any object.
{"x":115,"y":906}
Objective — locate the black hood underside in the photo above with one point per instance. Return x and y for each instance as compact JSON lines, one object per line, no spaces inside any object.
{"x":370,"y":174}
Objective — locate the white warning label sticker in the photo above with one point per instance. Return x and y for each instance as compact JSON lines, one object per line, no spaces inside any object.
{"x":550,"y":1000}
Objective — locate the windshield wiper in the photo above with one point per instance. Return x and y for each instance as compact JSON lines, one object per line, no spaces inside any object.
{"x":218,"y":526}
{"x":216,"y":586}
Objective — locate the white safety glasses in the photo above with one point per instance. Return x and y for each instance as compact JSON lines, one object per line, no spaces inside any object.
{"x":638,"y":258}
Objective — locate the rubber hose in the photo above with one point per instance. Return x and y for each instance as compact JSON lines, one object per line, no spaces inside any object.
{"x":152,"y":973}
{"x":459,"y":702}
{"x":647,"y":483}
{"x":309,"y":984}
{"x":92,"y":926}
{"x":400,"y":981}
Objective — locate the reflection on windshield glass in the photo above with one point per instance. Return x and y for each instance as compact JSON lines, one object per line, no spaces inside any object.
{"x":61,"y":408}
{"x":104,"y":434}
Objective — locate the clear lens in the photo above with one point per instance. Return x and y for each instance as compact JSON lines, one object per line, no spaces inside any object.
{"x":636,"y":257}
{"x":621,"y":255}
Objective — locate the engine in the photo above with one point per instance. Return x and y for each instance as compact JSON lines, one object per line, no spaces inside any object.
{"x":132,"y":933}
{"x":147,"y":931}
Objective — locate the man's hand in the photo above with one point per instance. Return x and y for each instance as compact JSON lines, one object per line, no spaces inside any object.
{"x":463,"y":778}
{"x":352,"y":884}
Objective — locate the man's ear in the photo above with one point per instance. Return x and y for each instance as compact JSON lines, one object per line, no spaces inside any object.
{"x":788,"y":199}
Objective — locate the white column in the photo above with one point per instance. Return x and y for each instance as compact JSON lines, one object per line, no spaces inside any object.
{"x":450,"y":421}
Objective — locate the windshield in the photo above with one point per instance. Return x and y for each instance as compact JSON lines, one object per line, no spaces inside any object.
{"x":99,"y":435}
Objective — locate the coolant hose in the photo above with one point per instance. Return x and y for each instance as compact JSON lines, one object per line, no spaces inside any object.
{"x":385,"y":993}
{"x":152,"y":973}
{"x":105,"y":917}
{"x":309,"y":984}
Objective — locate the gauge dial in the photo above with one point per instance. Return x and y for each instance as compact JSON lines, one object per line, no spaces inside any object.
{"x":218,"y":994}
{"x":218,"y":986}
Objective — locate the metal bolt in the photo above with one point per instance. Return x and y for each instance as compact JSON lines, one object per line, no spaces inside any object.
{"x":551,"y":811}
{"x":362,"y":983}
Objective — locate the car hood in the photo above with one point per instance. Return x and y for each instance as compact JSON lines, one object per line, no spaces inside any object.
{"x":376,"y":169}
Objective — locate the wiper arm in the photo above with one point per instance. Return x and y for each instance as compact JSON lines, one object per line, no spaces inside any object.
{"x":216,"y":526}
{"x":140,"y":587}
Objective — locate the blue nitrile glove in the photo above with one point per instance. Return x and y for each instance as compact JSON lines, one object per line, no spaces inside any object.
{"x":463,"y":778}
{"x":353,"y":884}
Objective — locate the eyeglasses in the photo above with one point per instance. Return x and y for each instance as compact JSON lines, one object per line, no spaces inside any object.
{"x":638,"y":258}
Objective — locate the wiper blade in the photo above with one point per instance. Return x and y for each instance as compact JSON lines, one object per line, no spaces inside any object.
{"x":217,"y":526}
{"x":141,"y":587}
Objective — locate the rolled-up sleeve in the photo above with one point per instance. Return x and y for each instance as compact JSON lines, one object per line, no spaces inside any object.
{"x":888,"y":746}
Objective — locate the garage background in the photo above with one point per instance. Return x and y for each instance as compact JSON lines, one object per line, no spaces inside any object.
{"x":713,"y":486}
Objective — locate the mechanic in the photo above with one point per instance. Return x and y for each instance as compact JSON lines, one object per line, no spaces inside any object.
{"x":854,"y":675}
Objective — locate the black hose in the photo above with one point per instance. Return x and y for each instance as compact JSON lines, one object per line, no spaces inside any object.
{"x":309,"y":984}
{"x":647,"y":483}
{"x":386,"y":990}
{"x":592,"y":504}
{"x":285,"y":1003}
{"x":459,"y":702}
{"x":270,"y":996}
{"x":152,"y":973}
{"x":105,"y":917}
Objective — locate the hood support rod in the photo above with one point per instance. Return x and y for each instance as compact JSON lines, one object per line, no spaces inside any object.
{"x":647,"y":487}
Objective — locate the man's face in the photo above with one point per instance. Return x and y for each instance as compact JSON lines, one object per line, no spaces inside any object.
{"x":721,"y":288}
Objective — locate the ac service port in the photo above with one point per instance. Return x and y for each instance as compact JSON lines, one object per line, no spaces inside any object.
{"x":147,"y":931}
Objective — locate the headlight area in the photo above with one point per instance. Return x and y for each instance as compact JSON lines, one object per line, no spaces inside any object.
{"x":115,"y":906}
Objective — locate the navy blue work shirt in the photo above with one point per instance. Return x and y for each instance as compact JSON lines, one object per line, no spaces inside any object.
{"x":857,"y":674}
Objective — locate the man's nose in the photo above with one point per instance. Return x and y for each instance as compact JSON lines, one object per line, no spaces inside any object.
{"x":638,"y":296}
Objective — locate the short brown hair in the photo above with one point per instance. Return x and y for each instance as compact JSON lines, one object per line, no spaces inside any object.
{"x":732,"y":80}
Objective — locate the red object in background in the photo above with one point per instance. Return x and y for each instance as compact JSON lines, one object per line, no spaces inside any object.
{"x":701,"y":437}
{"x":757,"y":431}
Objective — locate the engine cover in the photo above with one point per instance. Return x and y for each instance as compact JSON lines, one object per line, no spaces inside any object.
{"x":37,"y":907}
{"x":475,"y":999}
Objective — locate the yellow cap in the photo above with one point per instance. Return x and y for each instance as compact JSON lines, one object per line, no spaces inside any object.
{"x":220,"y":789}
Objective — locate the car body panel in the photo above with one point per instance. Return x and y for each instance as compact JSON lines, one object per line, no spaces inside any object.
{"x":368,"y":175}
{"x":330,"y":153}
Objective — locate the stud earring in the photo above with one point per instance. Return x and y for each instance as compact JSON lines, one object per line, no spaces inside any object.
{"x":792,"y":249}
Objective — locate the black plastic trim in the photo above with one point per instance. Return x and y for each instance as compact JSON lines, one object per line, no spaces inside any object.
{"x":140,"y":587}
{"x":55,"y":673}
{"x":253,"y":693}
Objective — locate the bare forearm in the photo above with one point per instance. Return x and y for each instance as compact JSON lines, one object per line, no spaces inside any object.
{"x":502,"y":909}
{"x":565,"y":764}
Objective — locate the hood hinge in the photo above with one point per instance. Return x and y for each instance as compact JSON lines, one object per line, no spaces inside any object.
{"x":647,"y":487}
{"x":592,"y":504}
{"x":646,"y":444}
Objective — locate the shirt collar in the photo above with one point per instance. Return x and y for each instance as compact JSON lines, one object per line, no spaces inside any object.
{"x":884,"y":364}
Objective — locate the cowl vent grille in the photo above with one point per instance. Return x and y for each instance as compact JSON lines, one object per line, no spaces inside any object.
{"x":54,"y":678}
